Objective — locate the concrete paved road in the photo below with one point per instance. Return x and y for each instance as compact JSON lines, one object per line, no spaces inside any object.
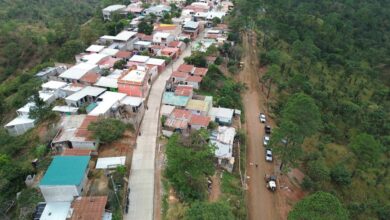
{"x":141,"y":177}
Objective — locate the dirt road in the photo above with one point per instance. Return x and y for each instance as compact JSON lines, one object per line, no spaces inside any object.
{"x":262,"y":204}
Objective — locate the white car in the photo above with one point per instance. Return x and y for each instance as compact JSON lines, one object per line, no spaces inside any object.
{"x":262,"y":118}
{"x":268,"y":155}
{"x":266,"y":140}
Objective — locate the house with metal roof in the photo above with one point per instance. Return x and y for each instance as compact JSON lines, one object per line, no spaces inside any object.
{"x":158,"y":10}
{"x":223,"y":116}
{"x":75,"y":73}
{"x":191,"y":28}
{"x":22,"y":122}
{"x":106,"y":103}
{"x":109,"y":10}
{"x":65,"y":178}
{"x":73,"y":133}
{"x":223,"y":140}
{"x":162,"y":38}
{"x":88,"y":94}
{"x":200,"y":106}
{"x":169,"y":98}
{"x":123,"y":41}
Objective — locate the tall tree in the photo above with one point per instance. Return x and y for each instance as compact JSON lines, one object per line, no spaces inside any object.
{"x":301,"y":110}
{"x":286,"y":144}
{"x":366,"y":148}
{"x":318,"y":206}
{"x":190,"y":162}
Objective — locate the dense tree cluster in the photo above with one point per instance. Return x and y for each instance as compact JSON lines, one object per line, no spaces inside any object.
{"x":190,"y":162}
{"x":335,"y":53}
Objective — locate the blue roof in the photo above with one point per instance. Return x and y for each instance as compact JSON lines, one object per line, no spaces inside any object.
{"x":66,"y":170}
{"x":169,"y":98}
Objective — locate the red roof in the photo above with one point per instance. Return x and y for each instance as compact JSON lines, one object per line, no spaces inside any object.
{"x":108,"y":61}
{"x":221,"y":26}
{"x":200,"y":71}
{"x":131,"y":63}
{"x":169,"y":51}
{"x":91,"y":207}
{"x":147,"y":38}
{"x":200,"y":120}
{"x":196,"y":8}
{"x":184,"y":90}
{"x":175,"y":43}
{"x":91,"y":77}
{"x":178,"y":74}
{"x":212,"y":36}
{"x":196,"y":79}
{"x":160,"y":27}
{"x":123,"y":54}
{"x":181,"y":113}
{"x":179,"y":118}
{"x":157,"y":47}
{"x":83,"y":131}
{"x":186,"y":68}
{"x":76,"y":152}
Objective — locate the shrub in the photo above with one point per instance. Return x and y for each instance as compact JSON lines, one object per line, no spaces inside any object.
{"x":340,"y":175}
{"x":318,"y":171}
{"x":107,"y":130}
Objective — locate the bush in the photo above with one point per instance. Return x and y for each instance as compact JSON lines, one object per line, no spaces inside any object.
{"x":233,"y":69}
{"x":107,"y":130}
{"x":120,"y":64}
{"x":307,"y":183}
{"x":340,"y":175}
{"x":320,"y":205}
{"x":218,"y":61}
{"x":318,"y":171}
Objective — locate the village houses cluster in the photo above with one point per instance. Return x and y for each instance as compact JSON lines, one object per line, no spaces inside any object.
{"x":95,"y":87}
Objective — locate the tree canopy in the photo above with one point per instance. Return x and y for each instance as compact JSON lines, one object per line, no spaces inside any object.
{"x":107,"y":130}
{"x":209,"y":211}
{"x":318,"y":206}
{"x":190,"y":162}
{"x":336,"y":53}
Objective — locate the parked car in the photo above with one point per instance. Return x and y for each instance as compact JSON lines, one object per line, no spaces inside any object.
{"x":267,"y":129}
{"x":262,"y":118}
{"x":268,"y":155}
{"x":266,"y":140}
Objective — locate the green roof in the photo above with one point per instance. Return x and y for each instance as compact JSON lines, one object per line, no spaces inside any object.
{"x":66,"y":170}
{"x":169,"y":98}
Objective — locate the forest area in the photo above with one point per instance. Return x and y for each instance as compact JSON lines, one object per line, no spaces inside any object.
{"x":327,"y":84}
{"x":33,"y":35}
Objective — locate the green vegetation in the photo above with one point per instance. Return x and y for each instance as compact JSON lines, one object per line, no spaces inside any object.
{"x":336,"y":53}
{"x":27,"y":202}
{"x":107,"y":130}
{"x":190,"y":162}
{"x":145,"y":28}
{"x":120,"y":64}
{"x":209,"y":211}
{"x":234,"y":194}
{"x":197,"y":59}
{"x":299,"y":118}
{"x":225,"y":91}
{"x":319,"y":206}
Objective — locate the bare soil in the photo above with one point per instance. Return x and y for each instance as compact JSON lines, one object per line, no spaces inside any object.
{"x":215,"y":190}
{"x":262,"y":204}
